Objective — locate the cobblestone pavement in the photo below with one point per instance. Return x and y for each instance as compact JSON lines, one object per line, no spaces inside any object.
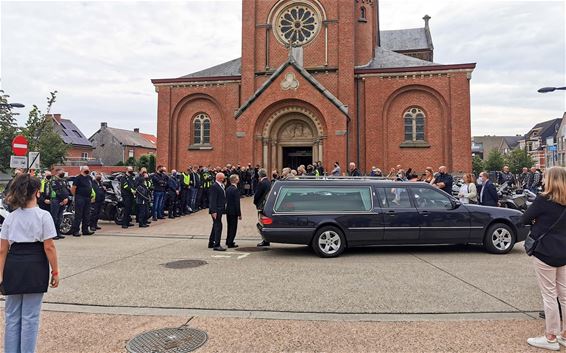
{"x":118,"y":283}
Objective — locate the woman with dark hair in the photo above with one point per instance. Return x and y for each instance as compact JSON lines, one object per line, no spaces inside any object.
{"x":547,"y":215}
{"x":27,"y":251}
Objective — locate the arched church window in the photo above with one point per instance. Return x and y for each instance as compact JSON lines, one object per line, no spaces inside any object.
{"x":201,"y":129}
{"x":363,"y":17}
{"x":414,"y":125}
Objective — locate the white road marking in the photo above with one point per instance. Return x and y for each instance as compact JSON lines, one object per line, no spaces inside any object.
{"x":229,"y":255}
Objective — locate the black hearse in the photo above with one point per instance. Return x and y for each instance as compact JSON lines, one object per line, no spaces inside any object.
{"x":332,"y":214}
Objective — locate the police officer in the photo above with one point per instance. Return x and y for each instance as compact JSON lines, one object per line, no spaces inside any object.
{"x":59,"y":199}
{"x":173,"y":194}
{"x":128,"y":187}
{"x":82,"y":191}
{"x":159,"y":181}
{"x":143,"y":198}
{"x":184,"y":181}
{"x":99,"y":197}
{"x":45,"y":192}
{"x":206,"y":180}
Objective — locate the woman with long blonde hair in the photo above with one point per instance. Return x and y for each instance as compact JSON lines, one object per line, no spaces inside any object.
{"x":547,"y":217}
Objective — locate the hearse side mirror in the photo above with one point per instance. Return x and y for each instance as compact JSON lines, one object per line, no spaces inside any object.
{"x":455,"y":204}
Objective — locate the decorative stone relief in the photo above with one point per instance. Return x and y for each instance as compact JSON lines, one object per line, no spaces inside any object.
{"x":289,"y":82}
{"x":296,"y":130}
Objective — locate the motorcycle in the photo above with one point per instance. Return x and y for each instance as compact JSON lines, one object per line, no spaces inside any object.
{"x":113,"y":207}
{"x":509,"y":198}
{"x":68,"y":217}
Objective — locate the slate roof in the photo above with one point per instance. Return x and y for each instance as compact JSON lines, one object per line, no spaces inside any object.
{"x":70,"y":133}
{"x":385,"y":59}
{"x":291,"y":62}
{"x":547,"y":128}
{"x":130,"y":138}
{"x":229,"y":68}
{"x":405,"y":39}
{"x":512,"y":141}
{"x":391,"y":40}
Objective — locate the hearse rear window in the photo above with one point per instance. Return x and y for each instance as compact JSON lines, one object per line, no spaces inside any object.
{"x":327,"y":199}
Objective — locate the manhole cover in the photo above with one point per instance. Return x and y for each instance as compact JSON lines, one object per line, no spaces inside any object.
{"x":185,"y":264}
{"x":253,"y":249}
{"x":167,"y":340}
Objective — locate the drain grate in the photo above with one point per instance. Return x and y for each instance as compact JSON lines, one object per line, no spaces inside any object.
{"x":167,"y":340}
{"x":185,"y":264}
{"x":253,"y":249}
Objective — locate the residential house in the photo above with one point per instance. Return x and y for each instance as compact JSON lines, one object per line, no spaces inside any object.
{"x":483,"y":145}
{"x":536,"y":140}
{"x":80,"y":149}
{"x":113,"y":145}
{"x":560,"y":140}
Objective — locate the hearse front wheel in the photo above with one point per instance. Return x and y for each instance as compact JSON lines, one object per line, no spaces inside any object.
{"x":499,"y":239}
{"x":329,"y":242}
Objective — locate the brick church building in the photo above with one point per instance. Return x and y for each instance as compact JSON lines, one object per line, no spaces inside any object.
{"x":319,"y":80}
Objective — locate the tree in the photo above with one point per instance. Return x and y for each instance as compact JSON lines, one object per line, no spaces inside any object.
{"x":120,"y":164}
{"x":8,"y":130}
{"x":143,"y":162}
{"x":42,"y":136}
{"x":494,"y":161}
{"x":152,"y":162}
{"x":131,"y":162}
{"x":518,"y":159}
{"x":477,"y":165}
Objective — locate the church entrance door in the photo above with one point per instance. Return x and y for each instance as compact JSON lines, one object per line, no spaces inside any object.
{"x":293,"y":157}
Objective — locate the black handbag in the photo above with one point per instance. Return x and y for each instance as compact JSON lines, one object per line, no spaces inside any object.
{"x":532,"y":243}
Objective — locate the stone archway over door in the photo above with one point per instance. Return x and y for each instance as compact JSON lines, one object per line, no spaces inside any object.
{"x":292,"y":131}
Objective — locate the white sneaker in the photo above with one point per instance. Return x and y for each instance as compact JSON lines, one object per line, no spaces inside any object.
{"x":561,"y":340}
{"x":543,"y":342}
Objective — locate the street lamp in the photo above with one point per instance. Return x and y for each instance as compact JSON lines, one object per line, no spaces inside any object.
{"x":550,"y":89}
{"x":11,"y":105}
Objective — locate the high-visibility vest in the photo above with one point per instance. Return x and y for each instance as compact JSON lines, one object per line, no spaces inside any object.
{"x":186,"y":179}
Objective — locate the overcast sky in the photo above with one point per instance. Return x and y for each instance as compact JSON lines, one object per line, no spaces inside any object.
{"x":100,"y":56}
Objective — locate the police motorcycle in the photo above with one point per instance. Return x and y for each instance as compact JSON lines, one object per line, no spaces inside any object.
{"x":510,"y":198}
{"x":68,"y":217}
{"x":113,"y":207}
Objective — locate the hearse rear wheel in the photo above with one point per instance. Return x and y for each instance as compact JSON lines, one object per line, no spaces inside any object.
{"x":329,"y":242}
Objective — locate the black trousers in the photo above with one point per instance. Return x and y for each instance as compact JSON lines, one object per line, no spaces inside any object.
{"x":204,"y":199}
{"x":216,"y":232}
{"x":82,"y":214}
{"x":172,"y":197}
{"x":142,"y":214}
{"x":57,"y":214}
{"x":95,"y":214}
{"x":128,"y":204}
{"x":232,"y":221}
{"x":185,"y":200}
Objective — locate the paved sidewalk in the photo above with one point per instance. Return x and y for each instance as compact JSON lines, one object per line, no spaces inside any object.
{"x":92,"y":333}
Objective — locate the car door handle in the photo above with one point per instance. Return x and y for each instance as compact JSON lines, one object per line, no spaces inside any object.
{"x":391,"y":213}
{"x":425,"y":213}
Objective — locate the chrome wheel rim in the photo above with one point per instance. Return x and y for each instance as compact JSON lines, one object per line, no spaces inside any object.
{"x":329,"y":242}
{"x":501,"y":239}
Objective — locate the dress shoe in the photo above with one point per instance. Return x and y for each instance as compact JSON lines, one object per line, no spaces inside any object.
{"x":219,"y":248}
{"x":154,"y":218}
{"x":210,"y":245}
{"x":161,"y":217}
{"x":144,"y":225}
{"x":232,"y":246}
{"x":125,"y":227}
{"x":263,"y":243}
{"x":97,"y":228}
{"x":77,"y":234}
{"x":88,"y":233}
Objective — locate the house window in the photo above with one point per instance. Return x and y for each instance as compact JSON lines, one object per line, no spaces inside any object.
{"x":201,"y":130}
{"x":414,"y":125}
{"x":84,"y":156}
{"x":130,"y":153}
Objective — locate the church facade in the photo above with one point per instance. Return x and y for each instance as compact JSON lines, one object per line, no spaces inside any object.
{"x":318,"y":80}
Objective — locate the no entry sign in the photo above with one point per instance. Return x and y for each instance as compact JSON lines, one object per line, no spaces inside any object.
{"x":20,"y":145}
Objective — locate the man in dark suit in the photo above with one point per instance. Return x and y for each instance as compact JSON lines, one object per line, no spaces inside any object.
{"x":261,"y":192}
{"x":216,"y":207}
{"x":233,"y":211}
{"x":488,"y":193}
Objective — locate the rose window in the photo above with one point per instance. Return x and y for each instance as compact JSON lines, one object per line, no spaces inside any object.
{"x":297,"y":24}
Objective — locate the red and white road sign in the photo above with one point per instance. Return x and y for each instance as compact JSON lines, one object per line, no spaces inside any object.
{"x":20,"y":145}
